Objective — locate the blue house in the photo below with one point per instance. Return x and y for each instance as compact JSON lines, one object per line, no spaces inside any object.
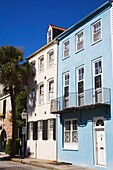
{"x":84,"y":103}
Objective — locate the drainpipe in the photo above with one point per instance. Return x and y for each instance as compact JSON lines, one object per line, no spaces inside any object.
{"x":56,"y":42}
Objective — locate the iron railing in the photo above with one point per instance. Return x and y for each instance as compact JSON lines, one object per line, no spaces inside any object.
{"x":88,"y":97}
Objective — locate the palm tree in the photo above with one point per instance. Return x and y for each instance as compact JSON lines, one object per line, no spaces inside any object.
{"x":12,"y":76}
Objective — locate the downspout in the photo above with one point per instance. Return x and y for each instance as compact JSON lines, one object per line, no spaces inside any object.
{"x":56,"y":42}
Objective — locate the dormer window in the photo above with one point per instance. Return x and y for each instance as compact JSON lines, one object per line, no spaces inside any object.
{"x":49,"y":35}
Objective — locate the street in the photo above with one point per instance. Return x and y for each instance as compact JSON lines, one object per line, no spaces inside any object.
{"x":9,"y":165}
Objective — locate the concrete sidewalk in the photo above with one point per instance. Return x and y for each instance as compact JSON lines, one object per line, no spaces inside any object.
{"x":50,"y":165}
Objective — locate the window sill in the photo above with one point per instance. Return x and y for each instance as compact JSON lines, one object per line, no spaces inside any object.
{"x":79,"y":50}
{"x":65,"y":57}
{"x":71,"y":149}
{"x":93,"y":43}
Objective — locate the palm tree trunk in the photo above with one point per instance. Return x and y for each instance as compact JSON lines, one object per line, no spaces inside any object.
{"x":12,"y":96}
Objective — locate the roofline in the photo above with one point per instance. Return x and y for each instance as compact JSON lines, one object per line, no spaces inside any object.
{"x":40,"y":49}
{"x":84,"y":20}
{"x":57,"y":27}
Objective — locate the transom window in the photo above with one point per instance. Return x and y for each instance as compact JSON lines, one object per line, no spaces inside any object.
{"x":66,"y":49}
{"x":50,"y":58}
{"x":41,"y":94}
{"x":80,"y":41}
{"x":96,"y":31}
{"x":71,"y":134}
{"x":41,"y":64}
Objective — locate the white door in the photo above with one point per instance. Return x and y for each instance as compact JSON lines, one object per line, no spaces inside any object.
{"x":100,"y":147}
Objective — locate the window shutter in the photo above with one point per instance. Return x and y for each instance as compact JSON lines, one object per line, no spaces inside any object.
{"x":34,"y":130}
{"x":28,"y":128}
{"x":45,"y":130}
{"x":54,"y":129}
{"x":4,"y":109}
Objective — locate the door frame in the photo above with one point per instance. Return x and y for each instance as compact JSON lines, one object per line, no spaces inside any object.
{"x":95,"y":129}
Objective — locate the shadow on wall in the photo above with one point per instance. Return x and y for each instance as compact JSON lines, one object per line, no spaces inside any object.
{"x":86,"y":115}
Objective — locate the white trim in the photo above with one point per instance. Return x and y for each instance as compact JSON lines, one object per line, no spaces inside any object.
{"x":95,"y":129}
{"x":76,"y":41}
{"x":77,"y":75}
{"x":64,"y":57}
{"x":71,"y":145}
{"x":93,"y":42}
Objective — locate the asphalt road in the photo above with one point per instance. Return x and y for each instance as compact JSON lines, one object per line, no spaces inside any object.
{"x":9,"y":165}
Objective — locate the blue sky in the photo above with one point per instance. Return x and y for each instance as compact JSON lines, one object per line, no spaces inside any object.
{"x":24,"y":23}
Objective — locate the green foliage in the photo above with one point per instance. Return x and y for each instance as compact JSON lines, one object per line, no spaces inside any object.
{"x":20,"y":106}
{"x":9,"y":147}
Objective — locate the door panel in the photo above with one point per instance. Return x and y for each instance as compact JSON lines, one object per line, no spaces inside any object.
{"x":100,"y":147}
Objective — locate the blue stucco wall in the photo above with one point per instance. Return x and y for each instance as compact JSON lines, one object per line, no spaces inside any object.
{"x":85,"y":154}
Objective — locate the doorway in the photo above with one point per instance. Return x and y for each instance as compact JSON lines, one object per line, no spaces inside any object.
{"x":99,"y":142}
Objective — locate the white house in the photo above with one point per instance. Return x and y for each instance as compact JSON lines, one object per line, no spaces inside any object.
{"x":41,"y":126}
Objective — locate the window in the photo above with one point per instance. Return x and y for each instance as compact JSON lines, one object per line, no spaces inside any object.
{"x":96,"y":31}
{"x":33,"y":96}
{"x":80,"y":41}
{"x":41,"y":93}
{"x":50,"y":58}
{"x":33,"y":68}
{"x":50,"y":128}
{"x":66,"y":49}
{"x":49,"y":34}
{"x":41,"y":64}
{"x":31,"y":130}
{"x":66,"y":90}
{"x":71,"y":134}
{"x":80,"y":79}
{"x":4,"y":109}
{"x":98,"y":80}
{"x":51,"y":89}
{"x":40,"y":129}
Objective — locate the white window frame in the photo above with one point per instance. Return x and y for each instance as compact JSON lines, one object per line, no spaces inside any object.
{"x":50,"y":128}
{"x":50,"y":89}
{"x":41,"y":93}
{"x":66,"y":84}
{"x":41,"y":65}
{"x":97,"y":91}
{"x":31,"y":131}
{"x":40,"y":129}
{"x":70,"y":144}
{"x":80,"y":41}
{"x":80,"y":78}
{"x":95,"y":31}
{"x":66,"y":49}
{"x":50,"y":58}
{"x":33,"y":68}
{"x":49,"y":35}
{"x":33,"y":96}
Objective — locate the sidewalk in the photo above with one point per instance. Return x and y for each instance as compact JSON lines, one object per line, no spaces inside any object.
{"x":50,"y":165}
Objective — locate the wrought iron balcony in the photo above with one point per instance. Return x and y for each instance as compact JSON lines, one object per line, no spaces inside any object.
{"x":89,"y":98}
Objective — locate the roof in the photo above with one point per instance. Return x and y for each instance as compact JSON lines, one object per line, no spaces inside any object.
{"x":40,"y":49}
{"x":84,"y":20}
{"x":56,"y":27}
